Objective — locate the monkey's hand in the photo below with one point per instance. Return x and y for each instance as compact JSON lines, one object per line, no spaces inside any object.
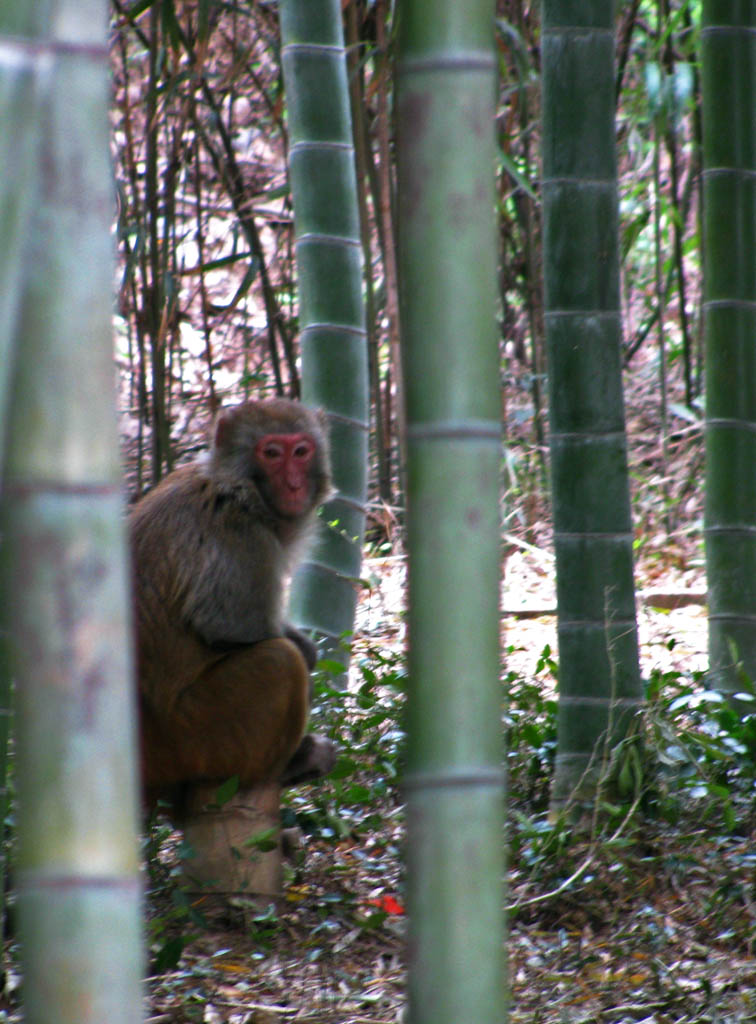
{"x":305,"y":645}
{"x":314,"y":757}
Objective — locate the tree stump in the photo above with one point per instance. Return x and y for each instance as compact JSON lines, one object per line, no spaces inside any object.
{"x":227,"y":861}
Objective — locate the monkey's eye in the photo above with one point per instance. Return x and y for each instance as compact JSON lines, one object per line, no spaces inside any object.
{"x":303,"y":450}
{"x":272,"y":452}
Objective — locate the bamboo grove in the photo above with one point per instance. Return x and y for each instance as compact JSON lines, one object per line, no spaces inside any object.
{"x":207,"y":298}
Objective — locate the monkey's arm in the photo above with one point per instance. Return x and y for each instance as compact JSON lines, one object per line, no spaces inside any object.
{"x":231,"y":591}
{"x":245,"y":623}
{"x":306,"y":646}
{"x":243,"y":616}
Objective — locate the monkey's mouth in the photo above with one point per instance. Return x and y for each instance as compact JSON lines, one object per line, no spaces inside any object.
{"x":293,"y":502}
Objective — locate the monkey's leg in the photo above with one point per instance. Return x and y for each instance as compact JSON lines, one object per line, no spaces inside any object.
{"x":245,"y":715}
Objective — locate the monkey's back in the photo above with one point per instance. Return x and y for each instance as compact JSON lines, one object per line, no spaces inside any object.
{"x":165,"y":531}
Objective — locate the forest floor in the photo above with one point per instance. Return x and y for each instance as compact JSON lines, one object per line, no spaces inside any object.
{"x":658,"y":929}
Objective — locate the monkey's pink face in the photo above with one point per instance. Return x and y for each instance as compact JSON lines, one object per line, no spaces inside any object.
{"x":287,"y":462}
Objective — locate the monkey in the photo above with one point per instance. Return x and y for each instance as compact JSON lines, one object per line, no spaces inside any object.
{"x":223,"y":679}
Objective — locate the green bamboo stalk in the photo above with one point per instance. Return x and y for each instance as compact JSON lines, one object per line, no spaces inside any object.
{"x":728,"y":57}
{"x":6,"y":723}
{"x":362,"y":159}
{"x":600,"y":686}
{"x":331,"y":306}
{"x":64,"y":566}
{"x":21,"y":74}
{"x":445,"y":89}
{"x":21,"y":78}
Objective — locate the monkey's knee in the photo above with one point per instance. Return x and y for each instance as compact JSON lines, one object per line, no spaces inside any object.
{"x":282,"y":662}
{"x":244,"y":716}
{"x":281,"y":689}
{"x":283,"y":653}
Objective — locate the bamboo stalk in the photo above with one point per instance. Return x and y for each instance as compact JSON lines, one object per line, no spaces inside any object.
{"x":445,"y":88}
{"x":600,"y":687}
{"x":331,"y":306}
{"x":728,"y":52}
{"x":65,"y":575}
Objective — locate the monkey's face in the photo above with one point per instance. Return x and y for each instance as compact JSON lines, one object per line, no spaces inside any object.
{"x":282,"y":447}
{"x":286,"y":464}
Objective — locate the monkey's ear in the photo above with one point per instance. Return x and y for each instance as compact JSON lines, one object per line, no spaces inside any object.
{"x":223,"y":430}
{"x":323,"y":420}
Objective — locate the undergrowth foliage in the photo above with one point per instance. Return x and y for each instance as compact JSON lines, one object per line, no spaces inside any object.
{"x":367,"y":722}
{"x":703,"y":749}
{"x":689,"y":767}
{"x":661,"y":873}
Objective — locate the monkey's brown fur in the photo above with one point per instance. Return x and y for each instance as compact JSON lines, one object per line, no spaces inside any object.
{"x":223,"y":680}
